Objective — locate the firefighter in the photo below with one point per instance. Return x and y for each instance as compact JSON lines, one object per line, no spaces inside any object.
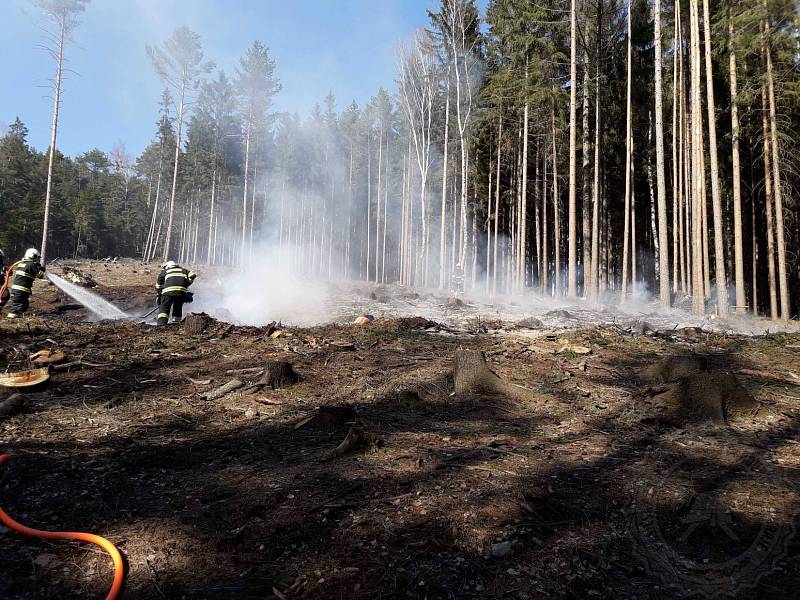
{"x":172,"y":290}
{"x":4,"y":293}
{"x":24,"y":272}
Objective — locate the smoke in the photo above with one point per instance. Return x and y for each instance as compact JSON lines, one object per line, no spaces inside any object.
{"x":266,"y":288}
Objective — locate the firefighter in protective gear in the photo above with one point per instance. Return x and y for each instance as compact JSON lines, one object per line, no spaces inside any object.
{"x":24,"y":272}
{"x":172,"y":290}
{"x":4,"y":293}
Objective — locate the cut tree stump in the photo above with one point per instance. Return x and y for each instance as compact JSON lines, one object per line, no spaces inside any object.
{"x":279,"y":374}
{"x":196,"y":323}
{"x":471,"y":375}
{"x":357,"y":439}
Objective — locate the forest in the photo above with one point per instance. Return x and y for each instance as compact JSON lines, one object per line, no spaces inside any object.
{"x":581,"y":149}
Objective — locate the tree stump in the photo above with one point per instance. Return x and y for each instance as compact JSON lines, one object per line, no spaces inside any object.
{"x":471,"y":375}
{"x":279,"y":374}
{"x":196,"y":323}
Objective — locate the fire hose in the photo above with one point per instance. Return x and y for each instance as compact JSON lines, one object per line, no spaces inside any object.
{"x":111,"y":549}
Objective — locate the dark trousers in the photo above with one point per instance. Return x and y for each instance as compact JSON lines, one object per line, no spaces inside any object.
{"x":173,"y":304}
{"x":4,"y":297}
{"x":19,"y":302}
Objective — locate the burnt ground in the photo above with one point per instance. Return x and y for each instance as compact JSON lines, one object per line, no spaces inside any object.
{"x":599,"y":487}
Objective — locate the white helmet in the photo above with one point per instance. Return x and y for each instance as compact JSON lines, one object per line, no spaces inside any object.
{"x":2,"y":254}
{"x":32,"y":254}
{"x":170,"y":264}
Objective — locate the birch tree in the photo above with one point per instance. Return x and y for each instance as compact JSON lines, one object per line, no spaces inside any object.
{"x":63,"y":17}
{"x":417,"y":89}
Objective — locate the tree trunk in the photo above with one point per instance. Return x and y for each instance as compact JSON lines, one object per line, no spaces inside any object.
{"x":721,"y":278}
{"x":663,"y":250}
{"x":741,"y":298}
{"x":522,"y":265}
{"x":776,"y":175}
{"x":545,"y":269}
{"x":585,"y":202}
{"x":628,"y":157}
{"x":442,"y":225}
{"x":572,"y":254}
{"x":595,"y":266}
{"x":556,"y":215}
{"x":698,"y":297}
{"x":677,"y":92}
{"x":246,"y":176}
{"x":53,"y":132}
{"x":497,"y":200}
{"x":773,"y":290}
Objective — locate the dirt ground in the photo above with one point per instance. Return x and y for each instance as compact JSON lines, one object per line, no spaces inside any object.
{"x":606,"y":483}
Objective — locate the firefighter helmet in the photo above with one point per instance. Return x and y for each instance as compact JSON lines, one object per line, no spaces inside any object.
{"x":32,"y":254}
{"x":170,"y":264}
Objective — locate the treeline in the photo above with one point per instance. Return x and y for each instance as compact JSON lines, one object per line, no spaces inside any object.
{"x":97,"y":207}
{"x":575,"y":148}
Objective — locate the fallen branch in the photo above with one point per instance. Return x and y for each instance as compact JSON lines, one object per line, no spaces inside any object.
{"x":232,"y":385}
{"x":771,"y":376}
{"x":254,"y":371}
{"x":76,"y":364}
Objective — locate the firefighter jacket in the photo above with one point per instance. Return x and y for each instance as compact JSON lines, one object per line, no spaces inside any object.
{"x":174,"y":281}
{"x":24,"y":272}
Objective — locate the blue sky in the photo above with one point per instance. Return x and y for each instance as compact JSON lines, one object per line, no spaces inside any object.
{"x":348,"y":46}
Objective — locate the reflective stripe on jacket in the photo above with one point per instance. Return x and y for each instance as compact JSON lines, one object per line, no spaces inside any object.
{"x":24,"y":273}
{"x":174,"y":281}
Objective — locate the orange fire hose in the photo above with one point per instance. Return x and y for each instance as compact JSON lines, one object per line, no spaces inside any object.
{"x":111,"y":549}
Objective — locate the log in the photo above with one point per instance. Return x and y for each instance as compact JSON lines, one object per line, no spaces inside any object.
{"x":471,"y":375}
{"x":216,"y":394}
{"x":279,"y":374}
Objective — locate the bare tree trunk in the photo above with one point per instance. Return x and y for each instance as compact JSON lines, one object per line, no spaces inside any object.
{"x":369,"y":198}
{"x":773,"y":295}
{"x":776,"y":175}
{"x":677,"y":92}
{"x":442,"y":225}
{"x":522,"y":265}
{"x":572,"y":252}
{"x":663,"y":250}
{"x":594,"y":279}
{"x":497,"y":200}
{"x":246,"y":176}
{"x":698,"y":297}
{"x":378,"y":202}
{"x":628,"y":156}
{"x":209,"y":255}
{"x":62,"y":26}
{"x":586,"y":219}
{"x":556,"y":215}
{"x":545,"y":256}
{"x":754,"y":242}
{"x":536,"y":217}
{"x":721,"y":278}
{"x":741,"y":298}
